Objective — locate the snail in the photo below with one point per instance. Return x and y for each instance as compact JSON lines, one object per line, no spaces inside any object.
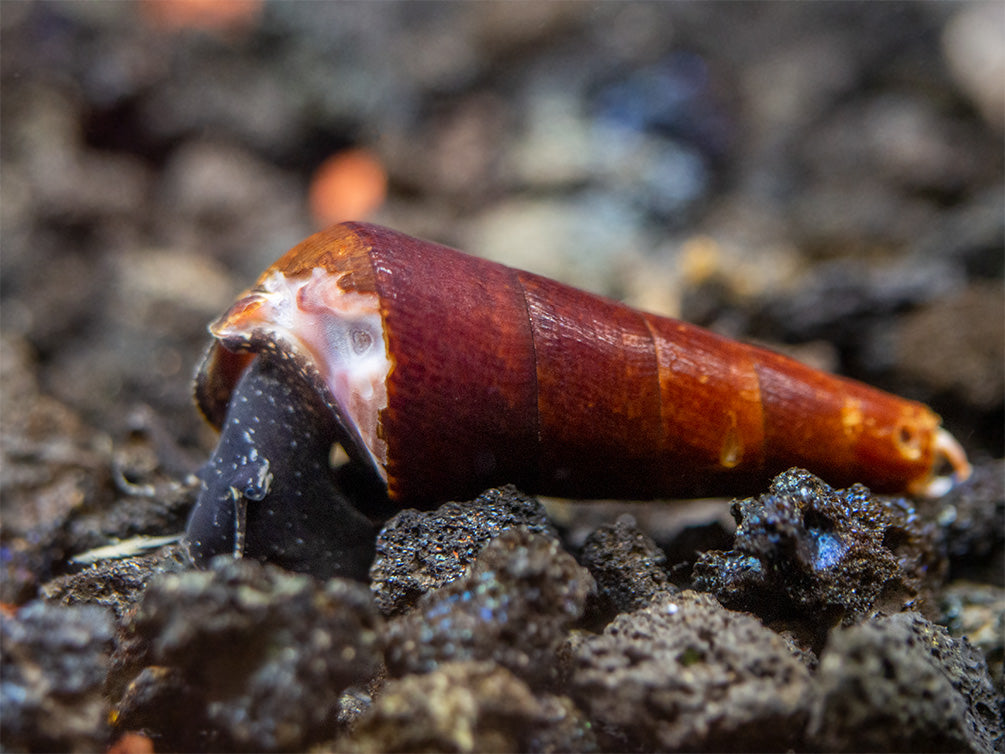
{"x":441,"y":374}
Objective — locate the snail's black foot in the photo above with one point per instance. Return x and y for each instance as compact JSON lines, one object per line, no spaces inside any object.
{"x":268,"y":490}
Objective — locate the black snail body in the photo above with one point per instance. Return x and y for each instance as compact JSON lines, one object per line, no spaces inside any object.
{"x":268,"y":490}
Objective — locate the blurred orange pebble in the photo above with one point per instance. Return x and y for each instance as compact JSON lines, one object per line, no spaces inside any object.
{"x":209,"y":15}
{"x":348,"y":185}
{"x":132,"y":743}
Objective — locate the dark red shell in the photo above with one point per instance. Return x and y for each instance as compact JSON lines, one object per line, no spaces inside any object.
{"x":499,"y":375}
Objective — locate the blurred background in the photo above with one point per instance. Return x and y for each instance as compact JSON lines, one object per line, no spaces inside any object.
{"x":826,"y":178}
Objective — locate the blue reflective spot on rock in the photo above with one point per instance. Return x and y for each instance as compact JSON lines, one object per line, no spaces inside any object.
{"x":830,"y":550}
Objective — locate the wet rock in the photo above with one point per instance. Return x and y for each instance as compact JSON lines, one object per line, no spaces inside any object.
{"x":900,"y":683}
{"x":145,"y":338}
{"x":841,"y":300}
{"x":54,"y":164}
{"x":684,"y":549}
{"x":977,"y":612}
{"x":630,"y":570}
{"x":53,"y":465}
{"x":971,"y":521}
{"x":53,"y":661}
{"x":514,"y":606}
{"x":468,"y":707}
{"x":969,"y":236}
{"x":553,"y":149}
{"x":115,"y":584}
{"x":457,"y":156}
{"x":355,"y":701}
{"x":672,"y":527}
{"x":64,"y":490}
{"x":257,"y":656}
{"x":899,"y":138}
{"x":806,"y":552}
{"x":215,"y":95}
{"x":163,"y":702}
{"x":687,"y":674}
{"x":420,"y":551}
{"x":956,"y":344}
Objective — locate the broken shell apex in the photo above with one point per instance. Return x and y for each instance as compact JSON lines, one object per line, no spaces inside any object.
{"x":449,"y":374}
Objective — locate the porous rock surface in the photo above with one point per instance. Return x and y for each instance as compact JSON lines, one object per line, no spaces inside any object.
{"x":630,"y":570}
{"x":247,"y":656}
{"x":468,"y":707}
{"x":977,"y":611}
{"x":971,"y":519}
{"x":807,"y":552}
{"x":418,"y":551}
{"x":513,"y":606}
{"x":686,"y":674}
{"x":115,"y":584}
{"x":60,"y":496}
{"x":251,"y":656}
{"x":901,"y":683}
{"x":52,"y":668}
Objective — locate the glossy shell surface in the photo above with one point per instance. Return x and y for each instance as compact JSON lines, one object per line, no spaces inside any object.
{"x":496,"y":375}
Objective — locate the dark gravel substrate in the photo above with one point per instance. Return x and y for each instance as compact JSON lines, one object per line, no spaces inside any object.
{"x":825,"y":178}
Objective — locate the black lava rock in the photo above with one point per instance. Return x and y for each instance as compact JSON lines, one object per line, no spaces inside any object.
{"x":630,"y":570}
{"x":469,"y":707}
{"x":808,"y":553}
{"x":686,"y":674}
{"x":420,"y":551}
{"x":255,"y":656}
{"x":977,"y":612}
{"x":116,"y":584}
{"x":514,"y":606}
{"x":972,"y":525}
{"x":900,"y":683}
{"x":53,"y":661}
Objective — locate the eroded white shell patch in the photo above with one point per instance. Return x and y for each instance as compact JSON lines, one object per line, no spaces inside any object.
{"x":339,"y":333}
